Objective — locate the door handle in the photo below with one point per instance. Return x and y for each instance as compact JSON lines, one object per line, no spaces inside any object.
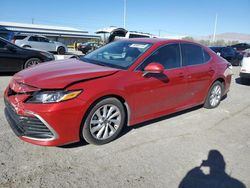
{"x":182,"y":75}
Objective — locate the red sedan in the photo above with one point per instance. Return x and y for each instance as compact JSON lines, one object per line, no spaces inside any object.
{"x":123,"y":83}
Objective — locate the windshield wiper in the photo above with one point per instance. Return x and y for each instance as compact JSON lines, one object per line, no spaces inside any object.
{"x":93,"y":62}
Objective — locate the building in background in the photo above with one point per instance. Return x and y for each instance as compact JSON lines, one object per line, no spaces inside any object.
{"x":66,"y":35}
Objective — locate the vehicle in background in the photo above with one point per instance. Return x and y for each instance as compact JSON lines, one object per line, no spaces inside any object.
{"x":228,"y":53}
{"x":122,"y":83}
{"x":245,"y":69}
{"x":119,"y":33}
{"x":39,"y":42}
{"x":246,"y":53}
{"x":14,"y":58}
{"x":241,"y":46}
{"x":87,"y":47}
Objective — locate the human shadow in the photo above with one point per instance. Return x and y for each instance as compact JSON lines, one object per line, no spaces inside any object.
{"x":215,"y":178}
{"x":241,"y":81}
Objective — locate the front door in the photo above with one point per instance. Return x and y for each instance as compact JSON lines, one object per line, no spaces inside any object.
{"x":157,"y":93}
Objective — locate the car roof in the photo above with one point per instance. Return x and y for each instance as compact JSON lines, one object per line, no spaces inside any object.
{"x":158,"y":40}
{"x":29,"y":35}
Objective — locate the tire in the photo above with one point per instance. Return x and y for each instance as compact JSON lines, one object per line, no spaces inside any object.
{"x":61,"y":50}
{"x":31,"y":62}
{"x":214,"y":95}
{"x":98,"y":128}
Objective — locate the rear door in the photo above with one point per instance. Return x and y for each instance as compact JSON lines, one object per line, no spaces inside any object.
{"x":200,"y":71}
{"x":46,"y":45}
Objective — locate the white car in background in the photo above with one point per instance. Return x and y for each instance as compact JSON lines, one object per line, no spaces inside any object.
{"x":39,"y":42}
{"x":245,"y":69}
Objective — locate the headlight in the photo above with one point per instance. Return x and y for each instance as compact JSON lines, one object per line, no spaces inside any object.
{"x":48,"y":55}
{"x":53,"y":96}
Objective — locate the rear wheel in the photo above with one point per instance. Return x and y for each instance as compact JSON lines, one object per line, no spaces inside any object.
{"x":61,"y":50}
{"x":214,"y":95}
{"x":31,"y":62}
{"x":104,"y":122}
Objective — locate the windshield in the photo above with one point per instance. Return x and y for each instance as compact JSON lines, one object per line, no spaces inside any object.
{"x":119,"y":54}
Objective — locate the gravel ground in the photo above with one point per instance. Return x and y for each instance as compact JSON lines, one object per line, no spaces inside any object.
{"x":163,"y":153}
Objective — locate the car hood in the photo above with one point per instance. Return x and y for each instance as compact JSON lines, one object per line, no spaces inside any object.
{"x":59,"y":74}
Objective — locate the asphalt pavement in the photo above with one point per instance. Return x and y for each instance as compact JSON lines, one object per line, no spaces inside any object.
{"x":194,"y":148}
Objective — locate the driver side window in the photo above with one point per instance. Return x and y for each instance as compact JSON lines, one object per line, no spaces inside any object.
{"x":168,"y":56}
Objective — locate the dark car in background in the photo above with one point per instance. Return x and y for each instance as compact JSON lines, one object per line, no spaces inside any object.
{"x":228,"y":53}
{"x":14,"y":58}
{"x":241,"y":46}
{"x":87,"y":47}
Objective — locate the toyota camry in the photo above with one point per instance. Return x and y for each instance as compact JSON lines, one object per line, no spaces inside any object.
{"x":120,"y":84}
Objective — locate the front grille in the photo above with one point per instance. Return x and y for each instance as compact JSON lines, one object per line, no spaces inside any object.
{"x":26,"y":126}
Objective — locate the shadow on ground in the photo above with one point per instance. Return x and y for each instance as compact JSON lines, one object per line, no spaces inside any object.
{"x":210,"y":174}
{"x":241,"y":81}
{"x":127,"y":129}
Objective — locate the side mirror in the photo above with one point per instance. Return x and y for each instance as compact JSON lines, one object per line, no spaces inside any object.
{"x":155,"y":68}
{"x":10,"y":48}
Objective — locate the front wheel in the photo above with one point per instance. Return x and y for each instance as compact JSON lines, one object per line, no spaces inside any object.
{"x":104,"y":122}
{"x":31,"y":62}
{"x":214,"y":95}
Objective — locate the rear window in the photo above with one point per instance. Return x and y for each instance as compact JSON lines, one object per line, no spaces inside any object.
{"x":19,"y":37}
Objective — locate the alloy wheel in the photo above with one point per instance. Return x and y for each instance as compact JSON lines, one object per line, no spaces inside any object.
{"x":215,"y":96}
{"x":105,"y":121}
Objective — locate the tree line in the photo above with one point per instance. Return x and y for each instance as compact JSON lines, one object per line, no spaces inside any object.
{"x":212,"y":43}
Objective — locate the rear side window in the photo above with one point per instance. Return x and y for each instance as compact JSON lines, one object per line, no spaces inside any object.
{"x":19,"y":37}
{"x":41,"y":39}
{"x":207,"y":57}
{"x":191,"y":54}
{"x":168,"y":56}
{"x":33,"y":38}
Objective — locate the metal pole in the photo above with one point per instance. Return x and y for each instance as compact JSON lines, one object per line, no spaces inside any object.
{"x":124,"y":14}
{"x":215,"y":26}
